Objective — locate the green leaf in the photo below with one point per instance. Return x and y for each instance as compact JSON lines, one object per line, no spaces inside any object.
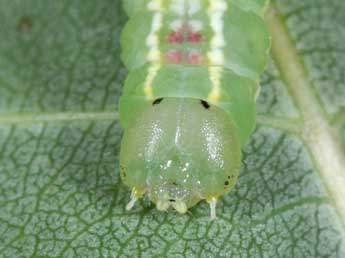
{"x":60,"y":191}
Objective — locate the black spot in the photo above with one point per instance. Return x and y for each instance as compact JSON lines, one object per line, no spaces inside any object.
{"x":171,"y":200}
{"x":24,"y":24}
{"x":226,"y":183}
{"x":157,"y":101}
{"x":174,"y":183}
{"x":205,"y":104}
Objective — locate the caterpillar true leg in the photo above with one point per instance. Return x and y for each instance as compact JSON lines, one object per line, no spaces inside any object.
{"x":131,"y":202}
{"x":135,"y":195}
{"x":213,"y":204}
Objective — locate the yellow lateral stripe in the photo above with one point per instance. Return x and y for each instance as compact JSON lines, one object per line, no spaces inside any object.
{"x":215,"y":55}
{"x":152,"y":73}
{"x":152,"y":42}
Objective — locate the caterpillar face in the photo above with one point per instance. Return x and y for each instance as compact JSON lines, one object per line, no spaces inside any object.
{"x":179,"y":151}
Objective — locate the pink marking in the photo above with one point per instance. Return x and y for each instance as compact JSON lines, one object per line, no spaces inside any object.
{"x":184,"y":34}
{"x":194,"y":37}
{"x":176,"y":37}
{"x":195,"y":58}
{"x":174,"y":56}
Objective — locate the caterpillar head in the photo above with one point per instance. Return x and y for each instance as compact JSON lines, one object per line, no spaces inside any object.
{"x":179,"y":151}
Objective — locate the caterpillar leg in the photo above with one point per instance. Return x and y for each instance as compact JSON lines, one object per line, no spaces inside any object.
{"x":213,"y":204}
{"x":162,"y":205}
{"x":135,"y":195}
{"x":180,"y":206}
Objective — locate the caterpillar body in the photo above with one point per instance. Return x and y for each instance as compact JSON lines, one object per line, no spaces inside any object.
{"x":188,"y":103}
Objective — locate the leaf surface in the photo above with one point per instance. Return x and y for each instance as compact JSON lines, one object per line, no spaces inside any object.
{"x":60,"y":190}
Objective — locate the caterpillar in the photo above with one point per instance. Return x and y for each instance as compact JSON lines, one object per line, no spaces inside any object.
{"x":188,"y":103}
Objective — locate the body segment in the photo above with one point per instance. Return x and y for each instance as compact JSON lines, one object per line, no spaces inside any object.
{"x":214,"y":42}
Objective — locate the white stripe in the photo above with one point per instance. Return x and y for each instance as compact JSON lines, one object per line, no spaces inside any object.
{"x":155,"y":5}
{"x":195,"y":25}
{"x":178,"y":7}
{"x":216,"y":12}
{"x":176,"y":25}
{"x":152,"y":42}
{"x":194,"y":6}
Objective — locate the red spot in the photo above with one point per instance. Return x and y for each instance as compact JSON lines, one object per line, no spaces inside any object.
{"x":195,"y":58}
{"x":176,"y":37}
{"x":184,"y":34}
{"x":174,"y":56}
{"x":194,"y":37}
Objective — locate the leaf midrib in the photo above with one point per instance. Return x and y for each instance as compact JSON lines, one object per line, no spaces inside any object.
{"x":316,"y":129}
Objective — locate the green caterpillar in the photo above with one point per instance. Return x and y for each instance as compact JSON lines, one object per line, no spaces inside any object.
{"x":188,"y":104}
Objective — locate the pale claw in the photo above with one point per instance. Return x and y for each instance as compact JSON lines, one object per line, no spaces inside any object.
{"x":213,"y":203}
{"x":134,"y":198}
